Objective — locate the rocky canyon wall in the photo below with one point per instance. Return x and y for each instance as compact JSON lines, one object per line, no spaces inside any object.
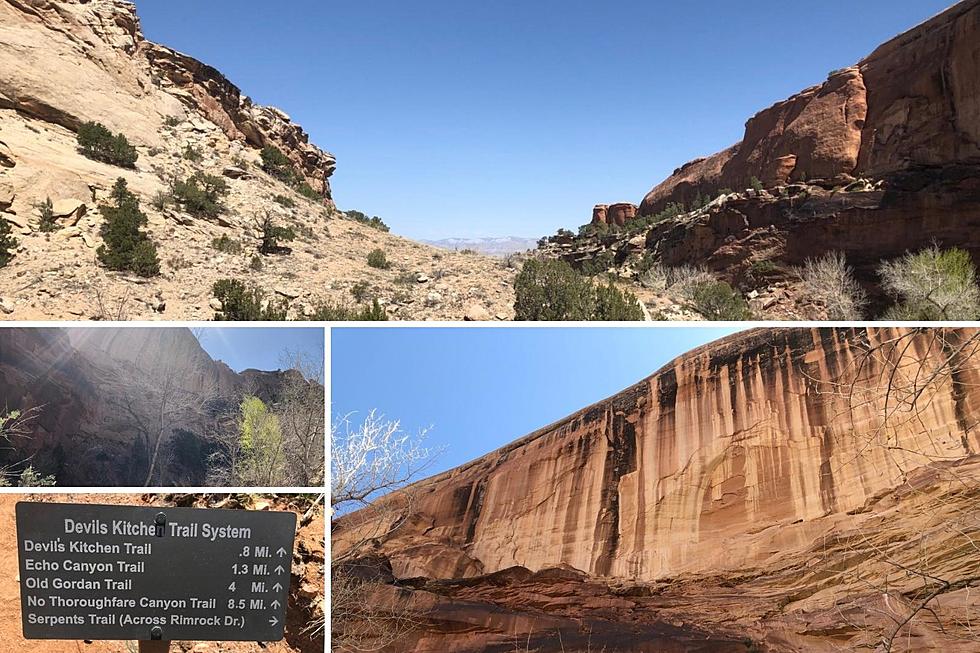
{"x":735,"y":452}
{"x":128,"y":83}
{"x":763,"y":493}
{"x":914,"y":102}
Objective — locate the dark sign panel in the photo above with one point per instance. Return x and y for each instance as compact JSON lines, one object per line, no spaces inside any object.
{"x":126,"y":572}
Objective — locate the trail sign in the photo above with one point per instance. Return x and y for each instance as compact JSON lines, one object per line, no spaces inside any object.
{"x":137,"y":573}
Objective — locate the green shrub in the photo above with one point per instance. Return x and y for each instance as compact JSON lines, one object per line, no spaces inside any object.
{"x":598,"y":264}
{"x":932,"y":285}
{"x":227,"y":245}
{"x":756,"y":184}
{"x":7,"y":243}
{"x":201,"y":194}
{"x":96,"y":142}
{"x":272,"y":234}
{"x":283,"y":201}
{"x":307,"y":191}
{"x":277,"y":164}
{"x":550,"y":290}
{"x":171,"y":121}
{"x":377,"y":259}
{"x":193,"y":154}
{"x":329,"y":312}
{"x":125,"y":246}
{"x":375,"y":222}
{"x":717,"y":301}
{"x":256,"y":263}
{"x":240,"y":302}
{"x":614,"y":305}
{"x":47,"y":223}
{"x":361,"y":291}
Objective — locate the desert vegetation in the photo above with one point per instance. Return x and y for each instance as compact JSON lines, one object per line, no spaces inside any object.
{"x":126,"y":247}
{"x":550,"y":290}
{"x":367,"y":460}
{"x":96,"y":142}
{"x":7,"y":243}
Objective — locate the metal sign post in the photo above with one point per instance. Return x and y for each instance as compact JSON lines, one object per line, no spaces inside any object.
{"x":154,"y":575}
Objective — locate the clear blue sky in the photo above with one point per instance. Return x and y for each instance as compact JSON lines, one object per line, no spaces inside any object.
{"x":464,"y":118}
{"x":481,"y":388}
{"x":259,"y":348}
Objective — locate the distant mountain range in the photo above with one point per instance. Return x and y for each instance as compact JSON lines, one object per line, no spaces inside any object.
{"x":494,"y":246}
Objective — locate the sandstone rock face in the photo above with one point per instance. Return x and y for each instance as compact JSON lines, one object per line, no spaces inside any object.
{"x":913,"y":102}
{"x":736,"y":461}
{"x":90,"y":384}
{"x":128,"y":83}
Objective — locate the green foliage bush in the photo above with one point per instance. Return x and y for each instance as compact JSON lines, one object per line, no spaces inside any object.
{"x":360,"y":290}
{"x":125,"y":246}
{"x":193,"y":154}
{"x":277,"y":164}
{"x":96,"y":142}
{"x":285,"y":202}
{"x":374,"y":222}
{"x":47,"y":223}
{"x":718,"y":301}
{"x":227,"y":245}
{"x":550,"y":290}
{"x":377,"y":259}
{"x":7,"y":243}
{"x":932,"y":285}
{"x":756,"y":184}
{"x":272,"y":234}
{"x":330,"y":312}
{"x":244,"y":303}
{"x":201,"y":194}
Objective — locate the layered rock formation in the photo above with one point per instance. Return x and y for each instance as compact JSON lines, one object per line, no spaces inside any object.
{"x":128,"y":83}
{"x":614,"y":214}
{"x":914,"y":102}
{"x":882,"y":158}
{"x":97,"y":390}
{"x":754,"y":466}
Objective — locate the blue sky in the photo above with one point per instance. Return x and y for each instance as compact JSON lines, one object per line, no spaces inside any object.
{"x":259,"y":348}
{"x":510,"y":117}
{"x":480,"y":388}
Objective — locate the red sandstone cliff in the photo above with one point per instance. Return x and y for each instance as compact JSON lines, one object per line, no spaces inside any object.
{"x":739,"y":497}
{"x":915,"y":101}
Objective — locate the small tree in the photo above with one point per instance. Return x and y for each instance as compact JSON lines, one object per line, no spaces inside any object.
{"x":240,"y":302}
{"x":377,"y":259}
{"x":96,"y":142}
{"x":615,"y":305}
{"x":932,"y":285}
{"x":261,"y":461}
{"x":718,"y":301}
{"x":272,"y":234}
{"x":276,"y":163}
{"x":201,"y":194}
{"x":47,"y":222}
{"x":126,"y":247}
{"x":830,"y":281}
{"x":7,"y":243}
{"x":756,"y":184}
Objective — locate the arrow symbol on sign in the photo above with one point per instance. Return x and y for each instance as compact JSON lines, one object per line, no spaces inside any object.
{"x":273,"y":621}
{"x":276,"y":603}
{"x":277,"y":587}
{"x":279,"y":569}
{"x":281,"y":551}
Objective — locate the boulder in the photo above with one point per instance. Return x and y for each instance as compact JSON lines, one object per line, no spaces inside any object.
{"x":70,"y":210}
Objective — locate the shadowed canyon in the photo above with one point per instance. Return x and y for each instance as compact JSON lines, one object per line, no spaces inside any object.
{"x":125,"y":406}
{"x":781,"y":489}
